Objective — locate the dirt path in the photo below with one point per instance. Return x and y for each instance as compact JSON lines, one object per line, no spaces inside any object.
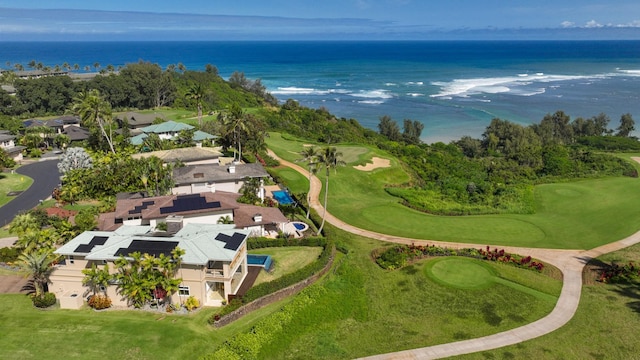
{"x":570,"y":262}
{"x":12,"y":284}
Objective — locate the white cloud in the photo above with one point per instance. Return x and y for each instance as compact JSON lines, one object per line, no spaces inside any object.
{"x":567,"y":24}
{"x":593,"y":24}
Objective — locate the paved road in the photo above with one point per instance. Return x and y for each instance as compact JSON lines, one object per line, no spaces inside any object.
{"x":570,"y":262}
{"x":45,"y":178}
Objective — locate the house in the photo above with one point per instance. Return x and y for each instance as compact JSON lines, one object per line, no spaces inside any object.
{"x":7,"y":143}
{"x":136,"y":120}
{"x":169,"y":130}
{"x":58,"y":124}
{"x":211,"y":178}
{"x":213,"y":267}
{"x":200,"y":208}
{"x":76,"y":133}
{"x":195,"y":155}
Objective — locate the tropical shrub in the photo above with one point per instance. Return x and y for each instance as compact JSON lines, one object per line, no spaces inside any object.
{"x":191,"y":303}
{"x":400,"y":255}
{"x":8,"y":254}
{"x":616,"y":273}
{"x":99,"y":302}
{"x":43,"y":301}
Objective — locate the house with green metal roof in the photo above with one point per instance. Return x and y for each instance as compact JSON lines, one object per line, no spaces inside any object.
{"x":212,"y":269}
{"x":169,"y":130}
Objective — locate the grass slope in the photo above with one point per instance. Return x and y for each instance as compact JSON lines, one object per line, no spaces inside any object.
{"x":367,"y":310}
{"x":286,"y":260}
{"x":576,"y":215}
{"x":12,"y":182}
{"x":605,"y":326}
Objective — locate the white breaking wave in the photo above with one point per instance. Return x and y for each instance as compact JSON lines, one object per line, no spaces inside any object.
{"x":371,"y":102}
{"x":507,"y":84}
{"x":292,"y":90}
{"x":373,"y":94}
{"x":415,"y":83}
{"x":415,"y":94}
{"x":629,"y":72}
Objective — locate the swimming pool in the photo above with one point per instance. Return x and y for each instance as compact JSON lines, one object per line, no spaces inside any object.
{"x":299,"y":225}
{"x":259,"y":260}
{"x":282,"y":197}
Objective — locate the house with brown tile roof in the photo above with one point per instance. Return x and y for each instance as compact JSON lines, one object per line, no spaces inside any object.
{"x":199,"y":208}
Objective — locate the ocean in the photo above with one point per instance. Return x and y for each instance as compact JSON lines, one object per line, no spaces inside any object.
{"x":454,"y":87}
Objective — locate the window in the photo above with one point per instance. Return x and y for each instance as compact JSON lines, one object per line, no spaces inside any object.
{"x":71,"y":259}
{"x":184,"y":290}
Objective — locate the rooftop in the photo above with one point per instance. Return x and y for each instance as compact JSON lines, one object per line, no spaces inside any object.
{"x":202,"y":243}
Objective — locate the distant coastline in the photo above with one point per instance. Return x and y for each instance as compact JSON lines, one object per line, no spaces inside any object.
{"x":454,"y":87}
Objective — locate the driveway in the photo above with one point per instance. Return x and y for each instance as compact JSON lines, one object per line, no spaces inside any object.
{"x":45,"y":178}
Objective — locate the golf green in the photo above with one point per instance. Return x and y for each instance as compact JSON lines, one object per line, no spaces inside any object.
{"x":462,"y":273}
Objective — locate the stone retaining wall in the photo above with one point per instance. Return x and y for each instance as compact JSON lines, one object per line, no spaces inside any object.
{"x":276,"y":296}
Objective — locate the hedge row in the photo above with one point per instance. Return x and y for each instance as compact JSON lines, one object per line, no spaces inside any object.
{"x":267,"y":288}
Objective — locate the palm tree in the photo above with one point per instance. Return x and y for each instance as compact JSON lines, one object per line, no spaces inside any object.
{"x":96,"y":278}
{"x":329,"y":158}
{"x":93,"y":109}
{"x":23,"y":223}
{"x":38,"y":264}
{"x":309,"y":155}
{"x":234,"y":124}
{"x":196,"y":93}
{"x":225,"y":220}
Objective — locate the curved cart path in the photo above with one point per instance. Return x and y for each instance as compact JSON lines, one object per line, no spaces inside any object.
{"x":570,"y":262}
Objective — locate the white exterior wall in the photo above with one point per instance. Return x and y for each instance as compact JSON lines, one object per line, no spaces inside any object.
{"x":197,"y":188}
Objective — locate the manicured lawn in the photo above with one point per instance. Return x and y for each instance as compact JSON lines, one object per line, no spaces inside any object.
{"x":367,"y":310}
{"x":286,"y":260}
{"x":576,"y":215}
{"x":606,"y":325}
{"x":296,"y":182}
{"x":28,"y":333}
{"x":12,"y":182}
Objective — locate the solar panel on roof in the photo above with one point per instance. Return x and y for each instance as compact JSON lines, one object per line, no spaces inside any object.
{"x":98,"y":240}
{"x":189,"y":203}
{"x":151,"y":247}
{"x":138,"y":209}
{"x":84,"y":248}
{"x":231,"y":242}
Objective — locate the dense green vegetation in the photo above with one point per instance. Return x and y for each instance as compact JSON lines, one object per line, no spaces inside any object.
{"x":497,"y":174}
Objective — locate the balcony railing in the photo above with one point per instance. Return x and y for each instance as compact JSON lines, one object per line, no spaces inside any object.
{"x":215,"y":272}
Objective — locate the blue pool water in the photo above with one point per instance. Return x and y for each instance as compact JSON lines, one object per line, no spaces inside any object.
{"x":283,"y":197}
{"x":300,"y":226}
{"x":259,"y":260}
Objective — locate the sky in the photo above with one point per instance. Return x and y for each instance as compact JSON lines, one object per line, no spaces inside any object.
{"x":313,"y":19}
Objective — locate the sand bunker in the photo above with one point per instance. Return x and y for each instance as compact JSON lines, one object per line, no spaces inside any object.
{"x":377,"y":163}
{"x":635,"y":158}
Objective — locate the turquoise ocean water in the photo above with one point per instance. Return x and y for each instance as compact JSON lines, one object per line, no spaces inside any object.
{"x":454,"y":88}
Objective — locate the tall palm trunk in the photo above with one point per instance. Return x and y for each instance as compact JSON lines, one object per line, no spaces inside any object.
{"x":309,"y":195}
{"x":326,"y":197}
